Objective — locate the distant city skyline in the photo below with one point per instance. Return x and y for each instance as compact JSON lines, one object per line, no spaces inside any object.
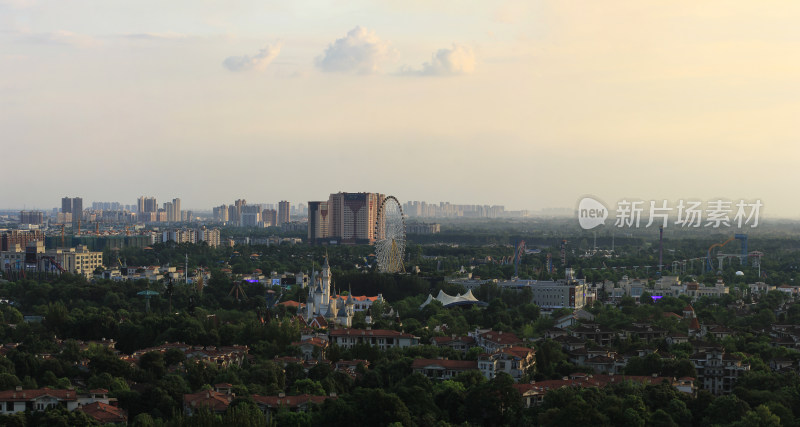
{"x":526,"y":104}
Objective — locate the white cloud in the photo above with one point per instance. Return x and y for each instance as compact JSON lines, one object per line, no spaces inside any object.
{"x":258,"y":62}
{"x":156,"y":36}
{"x":361,"y":51}
{"x":447,"y":62}
{"x":61,"y":37}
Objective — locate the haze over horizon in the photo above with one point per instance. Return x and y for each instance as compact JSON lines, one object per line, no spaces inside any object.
{"x":526,"y":104}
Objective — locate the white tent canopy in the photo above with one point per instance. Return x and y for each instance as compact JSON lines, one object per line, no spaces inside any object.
{"x":446,"y":300}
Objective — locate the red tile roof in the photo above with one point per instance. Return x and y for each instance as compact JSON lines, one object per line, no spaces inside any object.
{"x":217,"y":402}
{"x":315,"y":341}
{"x":28,"y":395}
{"x":501,"y":338}
{"x":292,"y":304}
{"x":289,"y":401}
{"x":595,"y":380}
{"x":105,"y":413}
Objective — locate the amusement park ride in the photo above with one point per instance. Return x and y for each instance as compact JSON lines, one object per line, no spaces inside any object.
{"x":390,"y":232}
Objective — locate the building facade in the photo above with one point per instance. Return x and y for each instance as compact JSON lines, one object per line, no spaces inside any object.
{"x":321,"y":302}
{"x":381,"y":338}
{"x":718,"y":371}
{"x":284,"y":209}
{"x":353,"y":216}
{"x":318,"y":222}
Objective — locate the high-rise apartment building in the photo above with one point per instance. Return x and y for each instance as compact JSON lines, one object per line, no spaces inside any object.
{"x":66,"y":204}
{"x":210,"y":236}
{"x":236,"y":214}
{"x":283,"y":212}
{"x":269,"y":217}
{"x":351,"y":217}
{"x":19,"y":237}
{"x":169,"y":208}
{"x":147,"y":204}
{"x":250,"y":216}
{"x":318,"y":222}
{"x":74,"y":206}
{"x":31,"y":217}
{"x":221,"y":213}
{"x":176,"y":206}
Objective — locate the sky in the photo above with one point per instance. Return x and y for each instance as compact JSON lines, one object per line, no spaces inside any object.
{"x":528,"y":104}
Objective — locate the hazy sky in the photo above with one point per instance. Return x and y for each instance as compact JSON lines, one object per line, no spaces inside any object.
{"x":528,"y":104}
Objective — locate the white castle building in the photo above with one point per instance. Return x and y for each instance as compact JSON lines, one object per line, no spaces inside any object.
{"x":336,"y":311}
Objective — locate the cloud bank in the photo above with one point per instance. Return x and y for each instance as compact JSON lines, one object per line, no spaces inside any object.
{"x":361,"y":52}
{"x":258,"y":62}
{"x":62,"y":38}
{"x":448,"y":62}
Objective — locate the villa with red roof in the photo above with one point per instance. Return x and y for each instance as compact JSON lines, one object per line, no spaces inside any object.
{"x":492,"y":341}
{"x":19,"y":400}
{"x":104,"y":413}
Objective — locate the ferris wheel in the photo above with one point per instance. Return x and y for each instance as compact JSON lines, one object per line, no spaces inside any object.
{"x":390,"y":234}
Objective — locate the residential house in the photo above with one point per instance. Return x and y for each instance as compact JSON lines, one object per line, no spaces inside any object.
{"x":491,"y":341}
{"x":105,"y":413}
{"x":462,"y":343}
{"x":382,"y":338}
{"x":515,"y":361}
{"x":442,"y":369}
{"x":19,"y":400}
{"x":718,"y":371}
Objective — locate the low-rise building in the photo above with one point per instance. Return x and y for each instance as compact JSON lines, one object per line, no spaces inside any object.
{"x":491,"y":341}
{"x":20,"y":400}
{"x":105,"y":413}
{"x":381,"y":338}
{"x":462,"y":343}
{"x":533,"y":394}
{"x":442,"y":369}
{"x":718,"y":371}
{"x":515,"y":361}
